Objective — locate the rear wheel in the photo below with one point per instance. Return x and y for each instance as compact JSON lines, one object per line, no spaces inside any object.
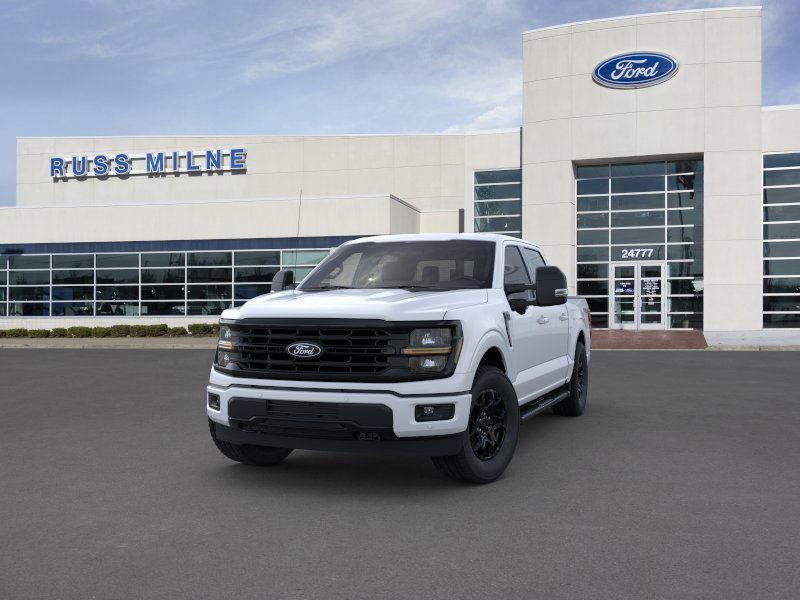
{"x":574,"y":405}
{"x":491,"y":436}
{"x":260,"y":456}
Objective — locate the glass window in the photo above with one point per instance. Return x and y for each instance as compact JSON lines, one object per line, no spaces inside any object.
{"x":73,"y":309}
{"x":499,"y":176}
{"x":29,"y":277}
{"x":790,"y":159}
{"x":303,"y":257}
{"x":691,"y":321}
{"x":592,"y":220}
{"x":599,"y":321}
{"x":3,"y":262}
{"x":782,"y":285}
{"x":209,"y":292}
{"x":29,"y":293}
{"x":684,"y":166}
{"x":2,"y":277}
{"x":637,"y":202}
{"x":782,"y":303}
{"x":782,"y":213}
{"x":782,"y":195}
{"x":592,"y":254}
{"x":680,"y":269}
{"x":782,"y":267}
{"x":117,"y":309}
{"x":650,"y":168}
{"x":497,"y":192}
{"x":218,"y":275}
{"x":251,"y":290}
{"x":163,"y":275}
{"x":684,"y":182}
{"x":788,"y":177}
{"x":680,"y":234}
{"x":681,"y":304}
{"x":637,"y":236}
{"x":207,"y":308}
{"x":679,"y":252}
{"x":113,"y":261}
{"x":117,"y":275}
{"x":84,"y":292}
{"x":163,"y":259}
{"x":61,"y":277}
{"x":637,"y":218}
{"x":593,"y":288}
{"x":592,"y":203}
{"x":209,"y":259}
{"x":782,"y":249}
{"x":684,"y":217}
{"x":514,"y":271}
{"x":589,"y":237}
{"x":2,"y":294}
{"x":41,"y":261}
{"x":533,"y":260}
{"x":163,"y":309}
{"x":254,"y":273}
{"x":777,"y":231}
{"x":637,"y":184}
{"x":684,"y":286}
{"x":592,"y":186}
{"x":162,"y":292}
{"x":505,"y":207}
{"x":785,"y":320}
{"x":597,"y":305}
{"x":28,"y":309}
{"x":117,"y":292}
{"x":256,"y":258}
{"x":593,"y":271}
{"x":73,"y":261}
{"x":684,"y":200}
{"x":587,"y":171}
{"x":498,"y":224}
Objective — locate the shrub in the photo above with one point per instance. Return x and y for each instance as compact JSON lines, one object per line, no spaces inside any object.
{"x":59,"y":332}
{"x":202,"y":329}
{"x":120,"y":330}
{"x":177,"y":331}
{"x":17,"y":332}
{"x":38,"y":333}
{"x":138,"y":330}
{"x":157,"y":330}
{"x":80,"y":332}
{"x":2,"y":333}
{"x":101,"y":332}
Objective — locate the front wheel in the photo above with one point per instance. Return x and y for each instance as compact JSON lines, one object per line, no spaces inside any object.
{"x":259,"y":456}
{"x":574,"y":405}
{"x":491,"y":436}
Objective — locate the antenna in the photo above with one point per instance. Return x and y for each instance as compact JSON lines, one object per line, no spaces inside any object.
{"x":297,"y":240}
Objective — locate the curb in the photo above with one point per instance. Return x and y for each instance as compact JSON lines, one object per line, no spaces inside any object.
{"x":165,"y":343}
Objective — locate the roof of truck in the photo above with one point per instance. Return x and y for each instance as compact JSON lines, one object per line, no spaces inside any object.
{"x":419,"y":237}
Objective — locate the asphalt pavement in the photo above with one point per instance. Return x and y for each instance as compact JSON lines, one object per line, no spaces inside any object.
{"x":681,"y":480}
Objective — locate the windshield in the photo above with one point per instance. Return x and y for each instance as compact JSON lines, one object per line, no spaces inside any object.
{"x":424,"y":265}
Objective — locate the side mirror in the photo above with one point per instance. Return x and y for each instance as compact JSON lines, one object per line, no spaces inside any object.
{"x":551,"y":286}
{"x":283,"y":280}
{"x":518,"y":297}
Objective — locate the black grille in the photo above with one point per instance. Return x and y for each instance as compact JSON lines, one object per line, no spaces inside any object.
{"x":360,"y":351}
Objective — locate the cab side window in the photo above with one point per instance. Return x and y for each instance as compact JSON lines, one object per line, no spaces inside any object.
{"x":515,"y":272}
{"x":533,"y":260}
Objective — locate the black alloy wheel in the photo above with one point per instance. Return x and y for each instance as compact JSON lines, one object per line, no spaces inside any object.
{"x":487,"y":424}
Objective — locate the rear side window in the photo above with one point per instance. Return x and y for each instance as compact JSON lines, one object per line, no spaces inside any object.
{"x":514,"y":271}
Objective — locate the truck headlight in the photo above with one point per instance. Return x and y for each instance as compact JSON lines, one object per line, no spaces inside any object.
{"x":430,"y":349}
{"x":224,"y":346}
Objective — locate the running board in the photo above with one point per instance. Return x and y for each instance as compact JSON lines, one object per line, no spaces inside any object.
{"x":534,"y":407}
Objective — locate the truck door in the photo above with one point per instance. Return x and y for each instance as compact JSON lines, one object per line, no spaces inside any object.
{"x":528,"y":346}
{"x":554,"y":326}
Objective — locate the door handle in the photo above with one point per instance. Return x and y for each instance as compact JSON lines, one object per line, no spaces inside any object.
{"x":563,"y":317}
{"x":542,"y":320}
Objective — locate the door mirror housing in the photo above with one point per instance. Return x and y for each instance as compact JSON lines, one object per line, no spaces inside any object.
{"x":551,"y":286}
{"x":283,"y":280}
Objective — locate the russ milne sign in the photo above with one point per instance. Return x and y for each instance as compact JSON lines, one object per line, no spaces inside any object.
{"x":151,"y":163}
{"x":635,"y":70}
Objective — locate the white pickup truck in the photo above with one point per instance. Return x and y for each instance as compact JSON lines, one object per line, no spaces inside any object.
{"x":437,"y":344}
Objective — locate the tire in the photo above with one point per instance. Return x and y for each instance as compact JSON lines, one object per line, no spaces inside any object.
{"x":578,"y":386}
{"x":494,"y":414}
{"x":257,"y":456}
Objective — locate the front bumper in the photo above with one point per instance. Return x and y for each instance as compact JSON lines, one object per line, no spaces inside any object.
{"x":376,"y":417}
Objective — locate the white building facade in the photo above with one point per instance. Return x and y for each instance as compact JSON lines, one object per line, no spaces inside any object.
{"x":645,"y":166}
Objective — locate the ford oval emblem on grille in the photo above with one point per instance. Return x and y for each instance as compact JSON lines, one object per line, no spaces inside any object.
{"x":304,"y":350}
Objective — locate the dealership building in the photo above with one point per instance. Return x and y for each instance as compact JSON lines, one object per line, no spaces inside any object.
{"x":645,"y":166}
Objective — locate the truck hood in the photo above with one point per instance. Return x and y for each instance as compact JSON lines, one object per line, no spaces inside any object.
{"x":386,"y":304}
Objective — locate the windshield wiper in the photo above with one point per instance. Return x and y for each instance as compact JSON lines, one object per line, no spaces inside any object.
{"x":325,"y":288}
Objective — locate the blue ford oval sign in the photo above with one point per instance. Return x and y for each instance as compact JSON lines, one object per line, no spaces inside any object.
{"x":635,"y":70}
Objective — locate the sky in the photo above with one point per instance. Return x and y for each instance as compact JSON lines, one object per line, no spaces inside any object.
{"x":174,"y":67}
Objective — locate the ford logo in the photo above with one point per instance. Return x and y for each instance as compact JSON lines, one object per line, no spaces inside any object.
{"x":635,"y":70}
{"x":304,"y":350}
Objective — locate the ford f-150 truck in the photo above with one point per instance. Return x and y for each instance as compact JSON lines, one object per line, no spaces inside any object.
{"x":437,"y":344}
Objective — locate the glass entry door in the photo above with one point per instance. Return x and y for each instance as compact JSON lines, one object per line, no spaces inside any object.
{"x":637,"y":295}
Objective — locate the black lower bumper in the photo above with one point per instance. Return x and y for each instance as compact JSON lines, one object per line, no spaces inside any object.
{"x":443,"y":445}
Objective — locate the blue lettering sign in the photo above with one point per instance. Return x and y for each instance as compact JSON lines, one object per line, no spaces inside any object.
{"x":635,"y":70}
{"x":56,"y":167}
{"x":213,"y":160}
{"x":79,"y":166}
{"x":237,"y":159}
{"x":123,"y":165}
{"x":190,"y":166}
{"x":154,"y":163}
{"x":176,"y":162}
{"x":100,"y":164}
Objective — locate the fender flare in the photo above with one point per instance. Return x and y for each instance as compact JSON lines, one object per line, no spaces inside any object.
{"x":492,"y":339}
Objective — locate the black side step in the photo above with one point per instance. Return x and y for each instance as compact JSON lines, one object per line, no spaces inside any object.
{"x":534,"y":407}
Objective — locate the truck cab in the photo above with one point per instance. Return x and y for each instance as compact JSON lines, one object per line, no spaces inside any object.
{"x":434,"y":344}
